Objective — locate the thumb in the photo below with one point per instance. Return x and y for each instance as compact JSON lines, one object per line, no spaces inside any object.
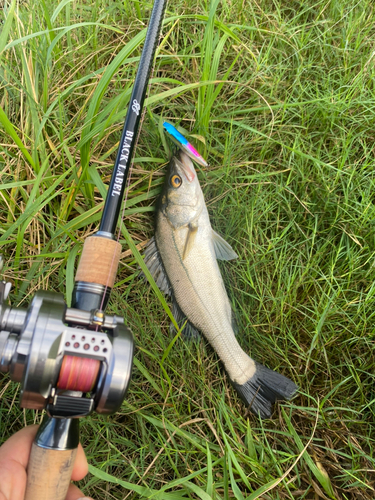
{"x":75,"y":493}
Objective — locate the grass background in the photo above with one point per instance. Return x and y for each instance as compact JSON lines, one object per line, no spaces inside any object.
{"x":279,"y":97}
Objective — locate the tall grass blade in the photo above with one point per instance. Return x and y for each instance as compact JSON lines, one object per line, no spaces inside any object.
{"x":7,"y":25}
{"x":10,"y":130}
{"x":318,"y":471}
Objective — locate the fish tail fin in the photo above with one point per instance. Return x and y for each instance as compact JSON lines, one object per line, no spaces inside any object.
{"x":263,"y":389}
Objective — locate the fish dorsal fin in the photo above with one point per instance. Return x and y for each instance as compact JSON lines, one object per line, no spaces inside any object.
{"x":189,"y":331}
{"x":155,"y":266}
{"x":223,"y":250}
{"x":190,"y":238}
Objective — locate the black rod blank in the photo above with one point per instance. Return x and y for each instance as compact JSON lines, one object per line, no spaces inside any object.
{"x":120,"y":173}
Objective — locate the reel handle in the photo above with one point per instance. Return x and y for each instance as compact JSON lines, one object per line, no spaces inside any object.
{"x":52,"y":459}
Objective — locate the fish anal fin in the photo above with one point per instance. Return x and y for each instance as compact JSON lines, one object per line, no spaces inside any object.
{"x":155,"y":265}
{"x":223,"y":250}
{"x":189,"y":332}
{"x":190,"y":238}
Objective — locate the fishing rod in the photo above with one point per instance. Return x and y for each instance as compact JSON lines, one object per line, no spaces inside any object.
{"x":73,"y":361}
{"x":100,"y":256}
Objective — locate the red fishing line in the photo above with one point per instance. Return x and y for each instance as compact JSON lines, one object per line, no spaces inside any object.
{"x":78,"y":374}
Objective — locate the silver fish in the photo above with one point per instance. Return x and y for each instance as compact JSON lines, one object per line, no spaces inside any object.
{"x":182,"y":258}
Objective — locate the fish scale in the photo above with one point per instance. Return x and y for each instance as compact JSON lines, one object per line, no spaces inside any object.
{"x":182,"y":258}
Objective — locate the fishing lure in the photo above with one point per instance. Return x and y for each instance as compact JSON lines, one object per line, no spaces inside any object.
{"x":184,"y":144}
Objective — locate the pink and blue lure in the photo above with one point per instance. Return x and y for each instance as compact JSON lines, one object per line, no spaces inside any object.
{"x":184,"y":144}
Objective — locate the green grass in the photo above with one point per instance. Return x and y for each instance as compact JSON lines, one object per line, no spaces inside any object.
{"x":280,"y":98}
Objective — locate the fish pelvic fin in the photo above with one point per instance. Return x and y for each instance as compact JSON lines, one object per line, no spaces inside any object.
{"x":189,"y":331}
{"x":263,"y":389}
{"x":155,"y":265}
{"x":223,"y":250}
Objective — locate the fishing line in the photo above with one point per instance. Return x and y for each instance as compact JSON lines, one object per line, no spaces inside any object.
{"x":78,"y":374}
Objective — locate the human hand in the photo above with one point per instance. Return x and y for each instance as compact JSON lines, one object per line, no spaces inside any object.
{"x":14,"y":457}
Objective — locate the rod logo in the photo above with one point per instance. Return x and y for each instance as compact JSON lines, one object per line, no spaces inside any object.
{"x":136,"y":107}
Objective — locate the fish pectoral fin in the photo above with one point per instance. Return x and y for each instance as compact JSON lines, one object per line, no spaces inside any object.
{"x":155,"y":266}
{"x":189,"y":332}
{"x":223,"y":250}
{"x":190,"y":238}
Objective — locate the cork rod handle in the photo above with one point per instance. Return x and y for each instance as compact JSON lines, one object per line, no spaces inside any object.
{"x":99,"y":261}
{"x":49,"y":473}
{"x":52,"y":459}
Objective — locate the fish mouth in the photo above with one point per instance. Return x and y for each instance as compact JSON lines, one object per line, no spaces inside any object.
{"x":186,"y":165}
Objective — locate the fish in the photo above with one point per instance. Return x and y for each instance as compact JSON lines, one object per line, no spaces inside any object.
{"x":182,"y":258}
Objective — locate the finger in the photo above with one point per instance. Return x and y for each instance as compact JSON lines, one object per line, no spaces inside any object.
{"x":12,"y":480}
{"x":14,"y":456}
{"x":18,"y":446}
{"x":75,"y":493}
{"x":80,"y":468}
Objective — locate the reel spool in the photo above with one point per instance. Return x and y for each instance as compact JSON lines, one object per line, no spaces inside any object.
{"x":68,"y":361}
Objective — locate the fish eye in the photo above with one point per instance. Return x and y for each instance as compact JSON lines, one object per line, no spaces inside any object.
{"x":176,"y":181}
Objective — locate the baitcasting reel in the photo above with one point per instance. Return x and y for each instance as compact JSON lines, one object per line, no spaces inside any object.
{"x":68,"y":361}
